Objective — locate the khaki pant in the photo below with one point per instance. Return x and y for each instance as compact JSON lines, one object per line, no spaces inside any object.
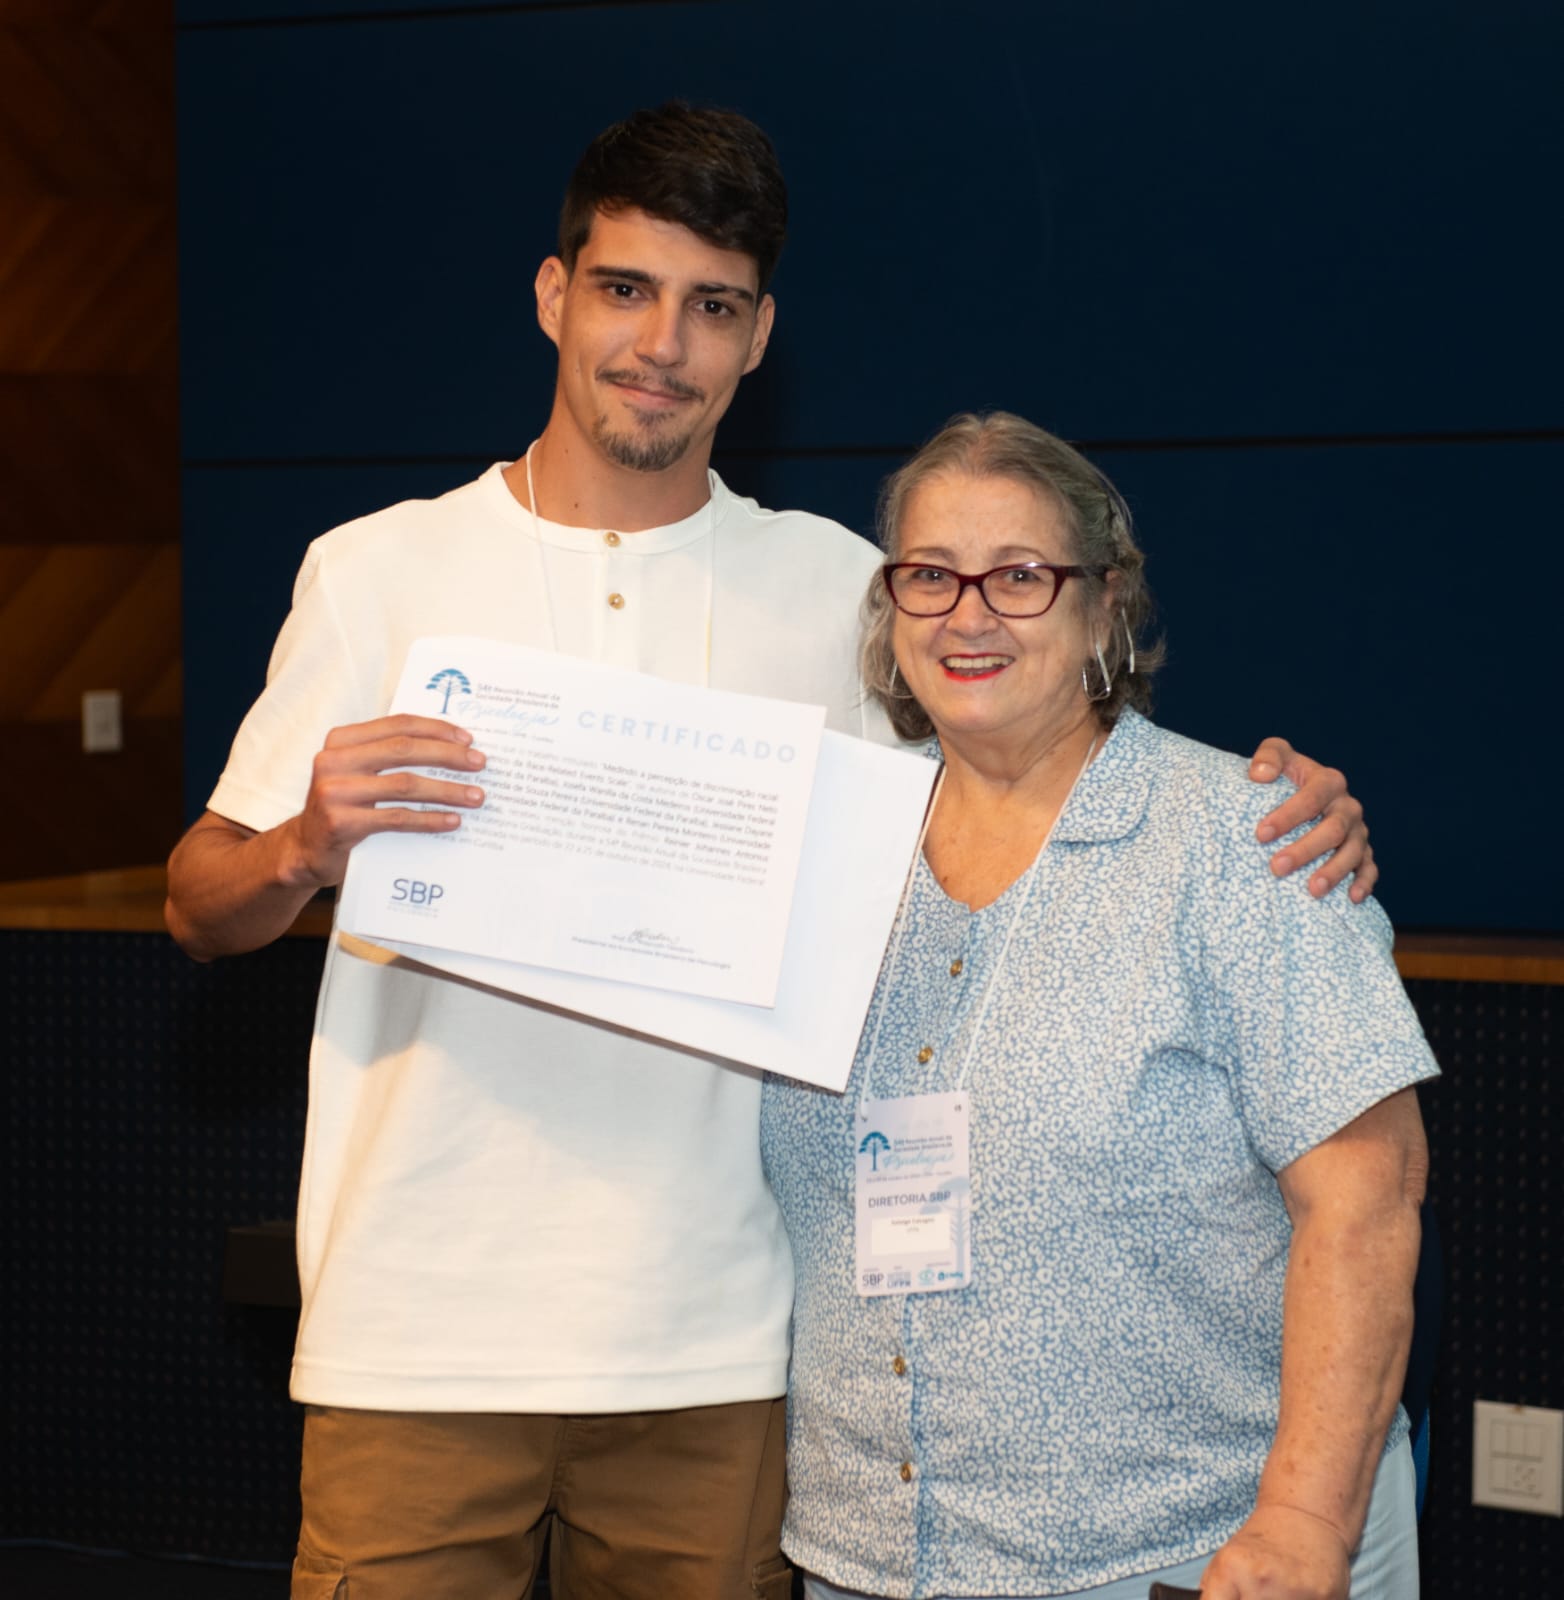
{"x":655,"y":1505}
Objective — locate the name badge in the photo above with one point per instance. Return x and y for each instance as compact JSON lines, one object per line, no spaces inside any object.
{"x":914,"y":1194}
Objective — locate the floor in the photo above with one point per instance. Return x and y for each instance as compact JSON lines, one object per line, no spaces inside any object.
{"x":33,"y":1573}
{"x":45,"y":1574}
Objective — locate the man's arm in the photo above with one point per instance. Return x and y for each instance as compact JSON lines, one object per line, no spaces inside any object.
{"x":1346,"y":1328}
{"x":231,"y":889}
{"x":1322,"y":793}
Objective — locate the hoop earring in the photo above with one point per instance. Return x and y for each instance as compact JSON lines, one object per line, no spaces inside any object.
{"x":1129,"y":639}
{"x":894,"y":694}
{"x":1107,"y":680}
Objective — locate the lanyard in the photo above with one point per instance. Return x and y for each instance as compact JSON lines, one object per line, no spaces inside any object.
{"x":1022,"y":897}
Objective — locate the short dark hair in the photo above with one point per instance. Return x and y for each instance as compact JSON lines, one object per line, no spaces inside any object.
{"x":711,"y":171}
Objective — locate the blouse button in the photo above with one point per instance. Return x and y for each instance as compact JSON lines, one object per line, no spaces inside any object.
{"x":899,"y":1366}
{"x":906,"y":1472}
{"x":955,"y":967}
{"x":617,"y":601}
{"x":925,"y":1055}
{"x":611,"y":539}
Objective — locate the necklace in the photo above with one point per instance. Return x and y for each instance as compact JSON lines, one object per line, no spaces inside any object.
{"x":709,"y":536}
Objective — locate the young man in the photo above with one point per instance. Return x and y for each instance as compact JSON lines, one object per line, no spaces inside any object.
{"x":543,"y":1280}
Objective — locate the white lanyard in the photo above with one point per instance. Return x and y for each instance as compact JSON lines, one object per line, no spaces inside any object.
{"x":548,"y":583}
{"x":1023,"y":896}
{"x":912,"y":1154}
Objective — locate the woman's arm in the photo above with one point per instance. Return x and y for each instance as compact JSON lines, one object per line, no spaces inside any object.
{"x":1347,"y":1324}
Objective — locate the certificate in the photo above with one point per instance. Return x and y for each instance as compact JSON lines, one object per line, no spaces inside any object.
{"x":861,"y":834}
{"x":633,"y":829}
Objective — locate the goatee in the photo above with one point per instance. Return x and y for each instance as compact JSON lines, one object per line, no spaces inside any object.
{"x":654,"y":454}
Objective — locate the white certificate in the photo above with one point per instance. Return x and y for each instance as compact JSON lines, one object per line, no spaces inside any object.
{"x":632,"y":829}
{"x":863,"y":827}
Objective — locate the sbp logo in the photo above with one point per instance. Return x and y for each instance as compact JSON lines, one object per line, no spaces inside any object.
{"x":415,"y":892}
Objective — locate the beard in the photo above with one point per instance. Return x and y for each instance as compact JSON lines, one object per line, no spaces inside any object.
{"x":656,"y":443}
{"x":648,"y":452}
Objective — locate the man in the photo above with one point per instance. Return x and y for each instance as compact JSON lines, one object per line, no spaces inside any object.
{"x":544,"y":1283}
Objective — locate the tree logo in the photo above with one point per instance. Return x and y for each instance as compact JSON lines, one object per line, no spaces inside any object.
{"x":873,"y":1144}
{"x":449,"y":680}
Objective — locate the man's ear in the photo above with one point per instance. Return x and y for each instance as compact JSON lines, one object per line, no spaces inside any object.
{"x":550,"y":288}
{"x":765,"y":312}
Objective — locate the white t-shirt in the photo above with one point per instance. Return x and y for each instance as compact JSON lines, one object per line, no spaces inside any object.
{"x":502,"y":1208}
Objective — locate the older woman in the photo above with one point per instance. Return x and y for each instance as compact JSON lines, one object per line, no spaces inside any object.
{"x":1104,"y":1258}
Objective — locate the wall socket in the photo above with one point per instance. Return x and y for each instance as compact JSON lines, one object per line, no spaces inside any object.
{"x":102,"y":727}
{"x":1518,"y":1458}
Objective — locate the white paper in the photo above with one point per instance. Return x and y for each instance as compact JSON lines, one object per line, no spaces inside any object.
{"x":632,"y":829}
{"x":863,"y":826}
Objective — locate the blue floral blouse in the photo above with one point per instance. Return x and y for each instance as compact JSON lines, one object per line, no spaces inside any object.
{"x":1171,"y":1027}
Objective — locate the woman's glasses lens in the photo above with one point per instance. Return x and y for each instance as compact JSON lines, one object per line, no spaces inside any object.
{"x":1019,"y":591}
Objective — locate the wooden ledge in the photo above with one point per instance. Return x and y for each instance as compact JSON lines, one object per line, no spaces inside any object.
{"x":1480,"y":958}
{"x":122,"y":900}
{"x":130,"y":900}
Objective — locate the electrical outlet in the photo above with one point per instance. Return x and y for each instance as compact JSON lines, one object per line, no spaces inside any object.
{"x":1518,"y":1458}
{"x":101,"y":725}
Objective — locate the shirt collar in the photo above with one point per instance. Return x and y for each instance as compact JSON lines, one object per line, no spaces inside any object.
{"x":1111,"y":797}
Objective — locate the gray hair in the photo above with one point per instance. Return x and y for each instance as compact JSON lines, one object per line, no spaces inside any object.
{"x":998,"y":444}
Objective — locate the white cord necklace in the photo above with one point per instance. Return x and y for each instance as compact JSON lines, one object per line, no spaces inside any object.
{"x":1022,"y":897}
{"x":548,"y":583}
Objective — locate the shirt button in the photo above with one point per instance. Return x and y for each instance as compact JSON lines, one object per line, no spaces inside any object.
{"x":955,"y":967}
{"x":899,"y":1366}
{"x":925,"y":1055}
{"x":906,"y":1472}
{"x":611,"y":539}
{"x":617,"y":601}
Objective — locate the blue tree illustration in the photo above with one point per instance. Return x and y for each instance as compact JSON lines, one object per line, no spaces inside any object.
{"x":960,"y":1230}
{"x":874,"y":1143}
{"x":449,"y":679}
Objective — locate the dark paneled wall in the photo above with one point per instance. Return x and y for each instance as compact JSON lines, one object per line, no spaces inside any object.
{"x":1292,"y":273}
{"x":1493,"y":1131}
{"x":148,"y":1104}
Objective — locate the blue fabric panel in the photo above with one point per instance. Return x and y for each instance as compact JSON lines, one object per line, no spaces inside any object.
{"x":1372,"y":605}
{"x":1291,"y":225}
{"x":283,"y":13}
{"x":245,"y":533}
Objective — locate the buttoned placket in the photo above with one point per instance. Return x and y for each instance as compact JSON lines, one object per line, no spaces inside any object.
{"x":616,"y":599}
{"x":619,"y":600}
{"x":955,"y":979}
{"x":944,"y":1012}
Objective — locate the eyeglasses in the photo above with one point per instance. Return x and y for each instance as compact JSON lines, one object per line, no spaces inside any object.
{"x":1027,"y":589}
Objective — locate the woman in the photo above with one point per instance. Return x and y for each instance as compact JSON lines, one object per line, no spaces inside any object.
{"x":1146,"y":1317}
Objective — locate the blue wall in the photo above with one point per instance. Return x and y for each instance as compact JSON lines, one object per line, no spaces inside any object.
{"x":1291,"y":275}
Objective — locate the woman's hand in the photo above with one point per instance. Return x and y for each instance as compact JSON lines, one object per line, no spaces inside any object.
{"x":1322,"y":793}
{"x":1280,"y":1554}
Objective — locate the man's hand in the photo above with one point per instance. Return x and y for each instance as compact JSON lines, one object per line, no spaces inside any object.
{"x":1322,"y":793}
{"x":230,"y":889}
{"x":1280,"y":1554}
{"x":355,"y":785}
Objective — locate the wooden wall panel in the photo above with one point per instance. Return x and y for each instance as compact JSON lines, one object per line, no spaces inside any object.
{"x":85,"y":285}
{"x":93,"y":616}
{"x":88,"y":458}
{"x":89,"y":429}
{"x":93,"y":116}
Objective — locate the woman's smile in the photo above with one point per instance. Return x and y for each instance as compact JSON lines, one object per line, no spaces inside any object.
{"x":968,"y":668}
